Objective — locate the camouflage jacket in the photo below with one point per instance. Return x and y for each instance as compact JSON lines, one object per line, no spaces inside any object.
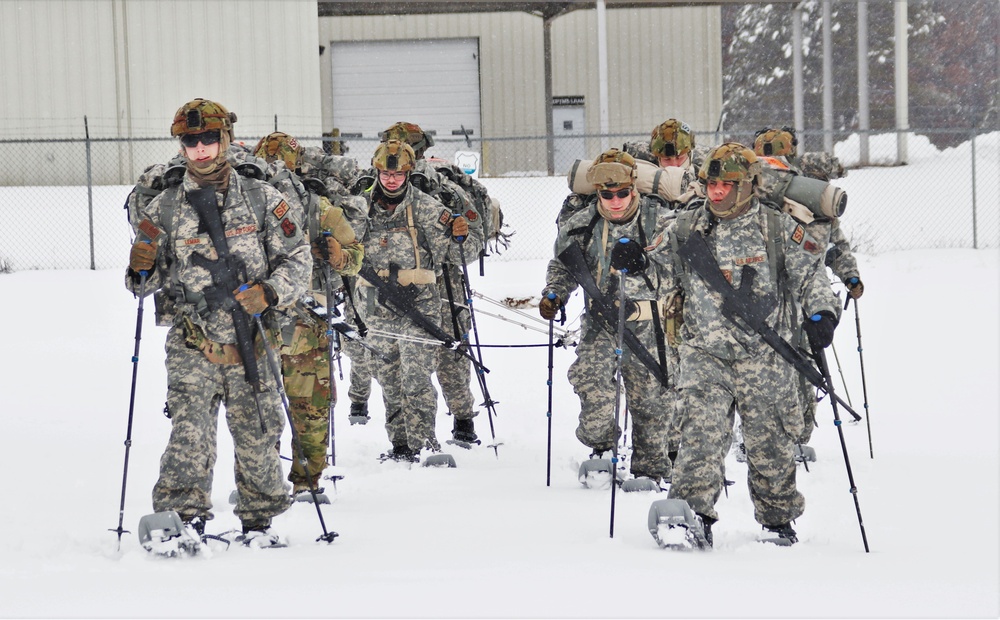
{"x":596,"y":236}
{"x":278,"y":256}
{"x":801,"y":278}
{"x":415,"y":235}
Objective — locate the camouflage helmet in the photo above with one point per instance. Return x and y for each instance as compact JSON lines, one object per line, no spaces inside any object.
{"x":201,"y":115}
{"x":278,"y":145}
{"x":733,"y":163}
{"x":671,"y":138}
{"x":394,"y":155}
{"x":410,"y":133}
{"x":770,"y":142}
{"x":730,"y":162}
{"x":612,"y":169}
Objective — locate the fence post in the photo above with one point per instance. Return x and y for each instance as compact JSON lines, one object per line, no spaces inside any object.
{"x":975,"y":231}
{"x":90,"y":193}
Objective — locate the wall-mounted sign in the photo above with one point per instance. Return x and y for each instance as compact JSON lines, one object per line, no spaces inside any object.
{"x":566,"y":100}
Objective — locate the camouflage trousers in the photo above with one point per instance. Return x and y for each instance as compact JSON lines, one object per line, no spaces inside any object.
{"x":407,"y":390}
{"x":362,"y":371}
{"x":195,"y":390}
{"x":672,"y":399}
{"x":454,"y":369}
{"x":307,"y":385}
{"x":763,"y":391}
{"x":592,"y":376}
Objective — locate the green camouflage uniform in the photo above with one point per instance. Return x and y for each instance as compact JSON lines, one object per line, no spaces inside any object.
{"x":202,"y":372}
{"x":409,"y":395}
{"x":306,"y":358}
{"x":722,"y":365}
{"x":592,"y":373}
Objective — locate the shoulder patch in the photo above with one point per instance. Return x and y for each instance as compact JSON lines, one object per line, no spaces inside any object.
{"x":471,"y":215}
{"x":280,"y":211}
{"x":445,"y":217}
{"x":811,"y":247}
{"x":288,"y":226}
{"x":799,"y":234}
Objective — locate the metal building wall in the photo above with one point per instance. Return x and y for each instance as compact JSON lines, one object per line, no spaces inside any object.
{"x":662,"y":63}
{"x":128,"y":64}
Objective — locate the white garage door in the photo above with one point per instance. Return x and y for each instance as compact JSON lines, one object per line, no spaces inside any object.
{"x":433,"y":83}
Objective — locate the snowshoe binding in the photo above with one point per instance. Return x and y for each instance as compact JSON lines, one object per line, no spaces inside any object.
{"x":257,"y":535}
{"x":400,"y":453}
{"x":641,"y":482}
{"x":674,"y":525}
{"x":782,"y":535}
{"x":302,"y":493}
{"x":464,"y":434}
{"x":358,"y":414}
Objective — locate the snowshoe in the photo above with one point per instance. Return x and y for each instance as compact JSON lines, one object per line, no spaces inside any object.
{"x":358,"y":414}
{"x":804,"y":454}
{"x":163,"y":534}
{"x":302,"y":493}
{"x":464,"y":434}
{"x":675,"y":526}
{"x":640,"y":483}
{"x":782,"y":535}
{"x":439,"y":459}
{"x":595,"y":472}
{"x":401,"y":454}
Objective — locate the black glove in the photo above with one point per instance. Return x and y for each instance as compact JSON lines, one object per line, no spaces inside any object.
{"x":819,"y":329}
{"x":549,"y":306}
{"x":628,"y":256}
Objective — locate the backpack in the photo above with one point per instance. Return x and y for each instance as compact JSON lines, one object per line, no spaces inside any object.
{"x":488,"y":207}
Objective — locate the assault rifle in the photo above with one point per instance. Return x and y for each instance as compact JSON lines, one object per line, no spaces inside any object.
{"x":228,"y":274}
{"x":401,"y":300}
{"x":749,"y":312}
{"x":602,"y":308}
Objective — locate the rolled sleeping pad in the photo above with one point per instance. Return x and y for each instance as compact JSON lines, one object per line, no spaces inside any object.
{"x":650,"y":179}
{"x":820,"y":197}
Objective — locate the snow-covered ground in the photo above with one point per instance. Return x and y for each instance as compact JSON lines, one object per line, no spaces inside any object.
{"x":490,"y":539}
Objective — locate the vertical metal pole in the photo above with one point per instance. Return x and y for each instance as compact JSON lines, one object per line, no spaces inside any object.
{"x":797,"y":97}
{"x":90,"y":193}
{"x":550,"y":143}
{"x":602,"y":72}
{"x":902,"y":83}
{"x":975,"y":230}
{"x":864,"y":120}
{"x":827,"y":77}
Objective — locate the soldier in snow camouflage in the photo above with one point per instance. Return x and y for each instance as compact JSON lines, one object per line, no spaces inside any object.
{"x":777,"y":149}
{"x":306,"y":355}
{"x":454,"y":369}
{"x":414,"y":234}
{"x":615,"y":211}
{"x":723,"y":366}
{"x":204,"y":370}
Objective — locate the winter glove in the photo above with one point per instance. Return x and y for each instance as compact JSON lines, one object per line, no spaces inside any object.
{"x":143,"y":256}
{"x":855,"y":287}
{"x":628,"y":256}
{"x":819,"y":329}
{"x":549,"y":306}
{"x":329,"y":249}
{"x":460,"y":229}
{"x":255,"y":299}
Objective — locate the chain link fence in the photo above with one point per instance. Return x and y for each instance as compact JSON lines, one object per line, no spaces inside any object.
{"x":63,"y":200}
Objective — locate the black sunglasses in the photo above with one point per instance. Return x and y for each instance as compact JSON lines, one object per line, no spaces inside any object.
{"x":191,"y":140}
{"x":622,"y":193}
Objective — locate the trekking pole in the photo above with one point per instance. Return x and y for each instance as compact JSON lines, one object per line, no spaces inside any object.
{"x":487,"y":398}
{"x":296,"y":443}
{"x":864,"y":384}
{"x":131,"y":406}
{"x":820,"y":357}
{"x":331,"y":336}
{"x":548,"y":413}
{"x":840,"y":371}
{"x":619,"y":346}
